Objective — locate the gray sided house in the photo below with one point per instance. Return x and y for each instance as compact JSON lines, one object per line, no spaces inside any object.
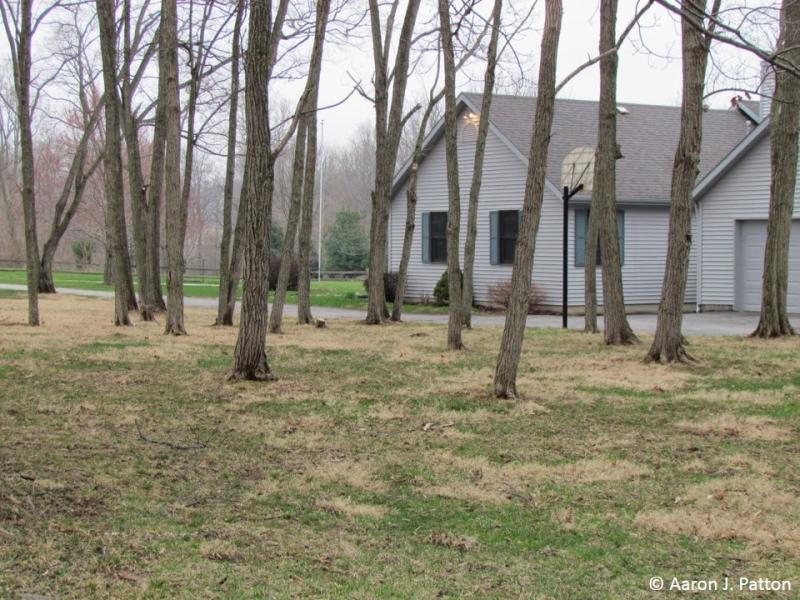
{"x":647,"y":136}
{"x":732,"y":206}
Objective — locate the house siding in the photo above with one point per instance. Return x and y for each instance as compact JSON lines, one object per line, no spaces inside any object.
{"x":742,"y":194}
{"x":503,"y":189}
{"x":646,"y":230}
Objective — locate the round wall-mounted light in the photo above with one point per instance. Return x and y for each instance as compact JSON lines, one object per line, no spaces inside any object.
{"x":472,"y":118}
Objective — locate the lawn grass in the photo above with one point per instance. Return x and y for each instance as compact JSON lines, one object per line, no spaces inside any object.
{"x":11,"y":294}
{"x":379,"y":466}
{"x":344,"y":293}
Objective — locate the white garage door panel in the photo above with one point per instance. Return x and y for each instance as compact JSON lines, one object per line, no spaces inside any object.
{"x":752,"y":237}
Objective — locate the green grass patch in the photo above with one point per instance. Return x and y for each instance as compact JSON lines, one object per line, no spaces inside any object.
{"x":378,"y":465}
{"x":348,"y":294}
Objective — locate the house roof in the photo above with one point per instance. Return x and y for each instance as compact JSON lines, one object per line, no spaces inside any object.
{"x":647,"y":135}
{"x":709,"y":180}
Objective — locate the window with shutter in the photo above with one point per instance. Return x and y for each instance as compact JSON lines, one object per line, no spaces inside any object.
{"x":438,"y":237}
{"x":581,"y":226}
{"x":508,"y":226}
{"x":581,"y":222}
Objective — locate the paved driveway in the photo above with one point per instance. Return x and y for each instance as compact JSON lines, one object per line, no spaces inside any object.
{"x":717,"y":323}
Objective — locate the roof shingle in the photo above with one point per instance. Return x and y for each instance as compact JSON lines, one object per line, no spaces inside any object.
{"x":647,"y":135}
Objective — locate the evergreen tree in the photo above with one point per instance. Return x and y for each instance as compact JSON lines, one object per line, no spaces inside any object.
{"x":346,"y":245}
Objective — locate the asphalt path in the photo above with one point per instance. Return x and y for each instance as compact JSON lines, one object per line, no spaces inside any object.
{"x":710,"y":323}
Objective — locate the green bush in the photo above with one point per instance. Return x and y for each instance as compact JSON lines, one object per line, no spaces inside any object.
{"x":441,"y":293}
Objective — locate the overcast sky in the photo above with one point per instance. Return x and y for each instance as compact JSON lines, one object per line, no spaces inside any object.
{"x":643,"y":77}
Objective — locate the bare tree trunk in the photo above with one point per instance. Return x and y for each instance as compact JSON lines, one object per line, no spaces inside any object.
{"x":455,"y":320}
{"x":411,"y":186}
{"x":785,"y":121}
{"x":77,"y":175}
{"x":46,"y":283}
{"x":63,"y":214}
{"x":174,"y":200}
{"x":304,"y":316}
{"x":235,"y":270}
{"x":130,"y":291}
{"x":303,"y":181}
{"x":477,"y":170}
{"x":7,"y":202}
{"x":296,"y":201}
{"x":152,"y":282}
{"x":388,"y":127}
{"x":505,"y":378}
{"x":230,"y":166}
{"x":668,"y":343}
{"x":123,"y":288}
{"x":411,"y":213}
{"x":19,"y":37}
{"x":108,"y":266}
{"x":616,"y":327}
{"x":176,"y":219}
{"x":590,"y":269}
{"x":136,"y":185}
{"x":250,"y":360}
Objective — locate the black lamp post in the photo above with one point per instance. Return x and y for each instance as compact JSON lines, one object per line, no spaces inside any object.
{"x":568,"y":194}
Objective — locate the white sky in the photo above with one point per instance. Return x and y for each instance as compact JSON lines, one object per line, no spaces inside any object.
{"x":642,"y":77}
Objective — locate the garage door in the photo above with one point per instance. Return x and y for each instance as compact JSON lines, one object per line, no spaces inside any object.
{"x":752,"y":238}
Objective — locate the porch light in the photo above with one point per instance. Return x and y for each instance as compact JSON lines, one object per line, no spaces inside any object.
{"x":472,"y":118}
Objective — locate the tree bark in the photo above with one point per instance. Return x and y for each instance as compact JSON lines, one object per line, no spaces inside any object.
{"x":78,"y":174}
{"x":785,"y":121}
{"x":176,"y":219}
{"x":250,"y":357}
{"x":130,"y":290}
{"x":123,"y":288}
{"x":21,"y":64}
{"x":668,"y":343}
{"x":455,"y":320}
{"x":604,"y":199}
{"x":136,"y":187}
{"x":304,"y":316}
{"x":235,"y":270}
{"x":411,"y":186}
{"x":174,"y":200}
{"x":108,"y":266}
{"x":477,"y":170}
{"x":388,"y":128}
{"x":152,"y":282}
{"x":296,"y":202}
{"x":303,"y":181}
{"x":63,"y":214}
{"x":411,"y":213}
{"x":505,"y":378}
{"x":230,"y":170}
{"x":590,"y":270}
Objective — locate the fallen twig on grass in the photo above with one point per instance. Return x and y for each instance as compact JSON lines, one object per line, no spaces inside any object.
{"x":432,"y":426}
